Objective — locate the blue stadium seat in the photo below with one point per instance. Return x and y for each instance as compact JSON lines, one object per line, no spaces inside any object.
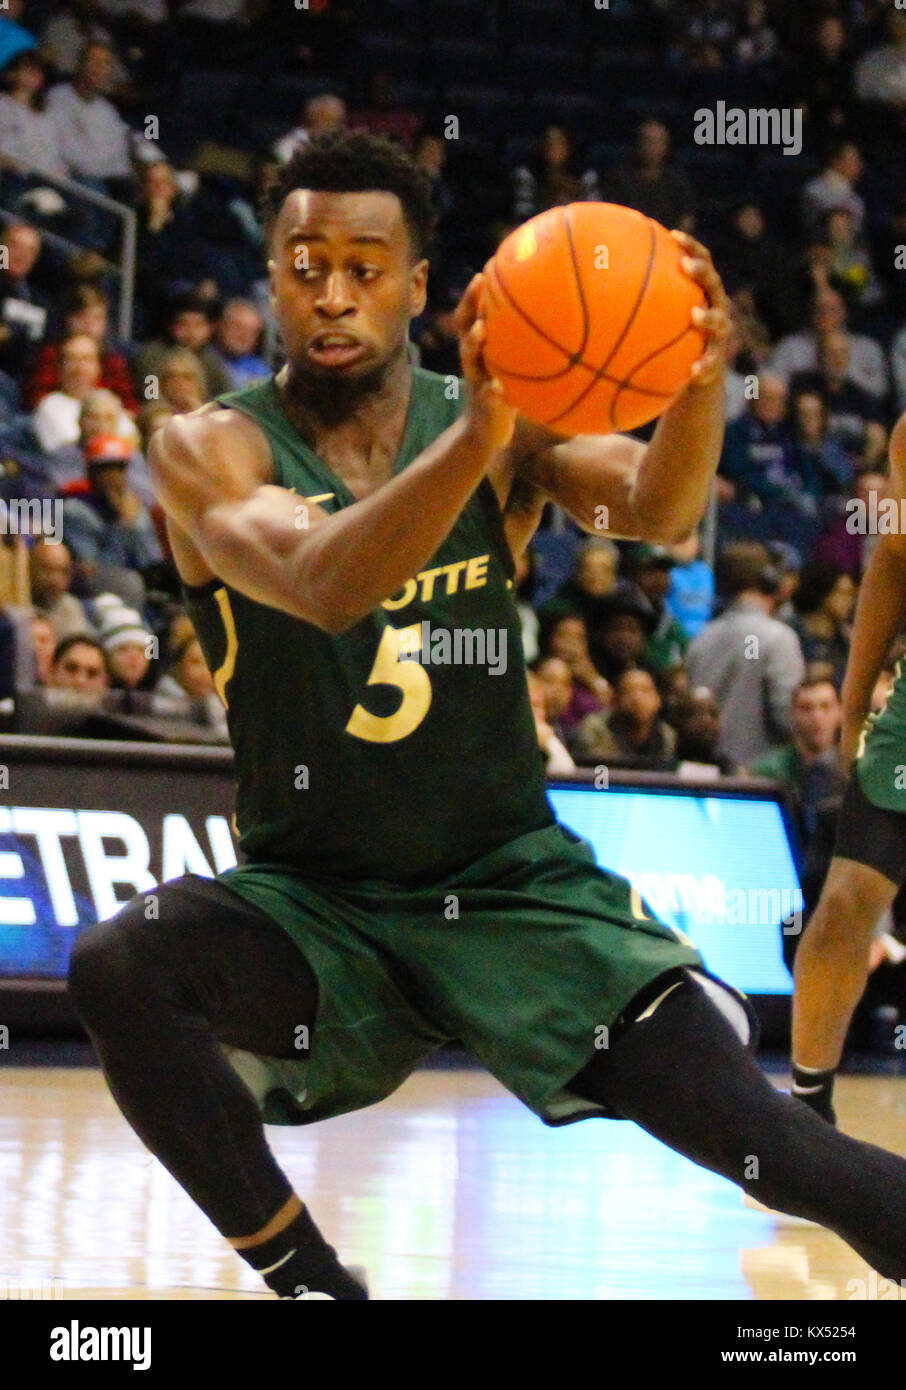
{"x":542,"y":65}
{"x":194,"y":116}
{"x":260,"y":135}
{"x":459,"y":19}
{"x":520,"y":120}
{"x":670,"y":110}
{"x":481,"y":101}
{"x":381,"y":10}
{"x":538,"y":21}
{"x":777,"y":181}
{"x":463,"y":61}
{"x":394,"y":16}
{"x":399,"y":52}
{"x":728,"y":165}
{"x":283,"y":98}
{"x":624,"y":28}
{"x":223,"y":90}
{"x":632,"y":61}
{"x":605,"y":154}
{"x":720,"y":177}
{"x":210,"y":100}
{"x":555,"y":555}
{"x":577,"y":111}
{"x":516,"y":150}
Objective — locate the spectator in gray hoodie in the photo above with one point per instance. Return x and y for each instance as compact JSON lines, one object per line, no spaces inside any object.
{"x":750,"y":660}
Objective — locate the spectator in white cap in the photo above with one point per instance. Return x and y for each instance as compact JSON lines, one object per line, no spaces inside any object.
{"x":128,"y":646}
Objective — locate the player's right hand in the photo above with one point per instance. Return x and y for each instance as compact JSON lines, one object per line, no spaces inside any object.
{"x":487,"y":412}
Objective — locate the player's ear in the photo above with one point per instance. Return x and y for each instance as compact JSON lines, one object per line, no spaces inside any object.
{"x":418,"y":288}
{"x":271,"y":275}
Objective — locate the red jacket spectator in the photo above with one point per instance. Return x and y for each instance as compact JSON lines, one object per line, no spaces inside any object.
{"x":45,"y":377}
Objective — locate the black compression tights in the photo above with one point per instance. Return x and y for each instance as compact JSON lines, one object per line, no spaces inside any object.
{"x":156,"y":996}
{"x":685,"y":1077}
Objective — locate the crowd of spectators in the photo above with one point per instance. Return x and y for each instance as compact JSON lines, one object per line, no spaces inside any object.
{"x":637,"y":652}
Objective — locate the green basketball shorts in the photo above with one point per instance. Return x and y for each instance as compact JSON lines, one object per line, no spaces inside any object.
{"x":880,"y":765}
{"x":529,"y":957}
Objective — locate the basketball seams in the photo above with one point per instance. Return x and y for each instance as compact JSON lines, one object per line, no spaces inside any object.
{"x":492,"y":273}
{"x":590,"y":411}
{"x":665,"y":347}
{"x":536,"y":328}
{"x":580,"y":284}
{"x":627,"y":385}
{"x":601,"y":371}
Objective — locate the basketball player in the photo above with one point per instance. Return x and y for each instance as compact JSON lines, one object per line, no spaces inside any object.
{"x":869,"y":862}
{"x":405,"y":881}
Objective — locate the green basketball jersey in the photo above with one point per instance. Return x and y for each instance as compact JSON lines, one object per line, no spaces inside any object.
{"x":404,"y":748}
{"x":881,"y":752}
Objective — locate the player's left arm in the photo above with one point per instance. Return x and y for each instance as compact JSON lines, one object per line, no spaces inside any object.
{"x":613,"y":484}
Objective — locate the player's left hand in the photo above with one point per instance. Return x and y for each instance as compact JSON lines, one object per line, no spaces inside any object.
{"x":487,"y":410}
{"x":714,"y":321}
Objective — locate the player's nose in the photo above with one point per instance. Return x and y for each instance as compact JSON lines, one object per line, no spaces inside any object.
{"x":336,"y":299}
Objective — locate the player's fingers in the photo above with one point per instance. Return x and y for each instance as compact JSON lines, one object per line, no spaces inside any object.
{"x":706,"y":369}
{"x":470,"y":349}
{"x":467,"y":310}
{"x":714,"y":323}
{"x":704,"y":274}
{"x":690,"y":245}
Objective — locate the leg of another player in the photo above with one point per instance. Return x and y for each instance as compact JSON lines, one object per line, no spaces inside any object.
{"x":683,"y":1074}
{"x":157,"y":996}
{"x":831,"y":970}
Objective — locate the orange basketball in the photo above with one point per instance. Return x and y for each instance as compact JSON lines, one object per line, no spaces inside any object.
{"x":589,"y":318}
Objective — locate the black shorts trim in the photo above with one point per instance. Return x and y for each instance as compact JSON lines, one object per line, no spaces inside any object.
{"x":869,"y":834}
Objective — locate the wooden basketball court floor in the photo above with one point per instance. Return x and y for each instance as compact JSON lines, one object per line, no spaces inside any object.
{"x":448,"y":1190}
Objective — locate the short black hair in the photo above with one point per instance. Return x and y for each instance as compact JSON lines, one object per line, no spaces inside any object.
{"x":355,"y":162}
{"x":740,"y":567}
{"x":188,"y":302}
{"x":77,"y":639}
{"x":817,"y":580}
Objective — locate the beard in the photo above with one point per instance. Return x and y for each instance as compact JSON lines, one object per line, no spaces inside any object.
{"x":331,"y":396}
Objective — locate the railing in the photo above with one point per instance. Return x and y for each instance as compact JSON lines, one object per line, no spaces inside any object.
{"x":125,"y":270}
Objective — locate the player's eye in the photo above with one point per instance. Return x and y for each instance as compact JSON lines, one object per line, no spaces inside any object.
{"x":366,"y":272}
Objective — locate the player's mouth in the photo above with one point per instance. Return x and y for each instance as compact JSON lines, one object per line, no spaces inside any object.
{"x":335,"y":349}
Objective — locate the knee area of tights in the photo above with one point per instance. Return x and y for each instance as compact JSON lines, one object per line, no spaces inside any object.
{"x":107,"y":957}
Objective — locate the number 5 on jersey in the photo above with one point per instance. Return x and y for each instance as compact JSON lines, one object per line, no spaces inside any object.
{"x":394,"y":666}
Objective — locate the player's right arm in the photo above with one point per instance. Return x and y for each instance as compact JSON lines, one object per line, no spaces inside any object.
{"x":328,"y":569}
{"x":879,"y":611}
